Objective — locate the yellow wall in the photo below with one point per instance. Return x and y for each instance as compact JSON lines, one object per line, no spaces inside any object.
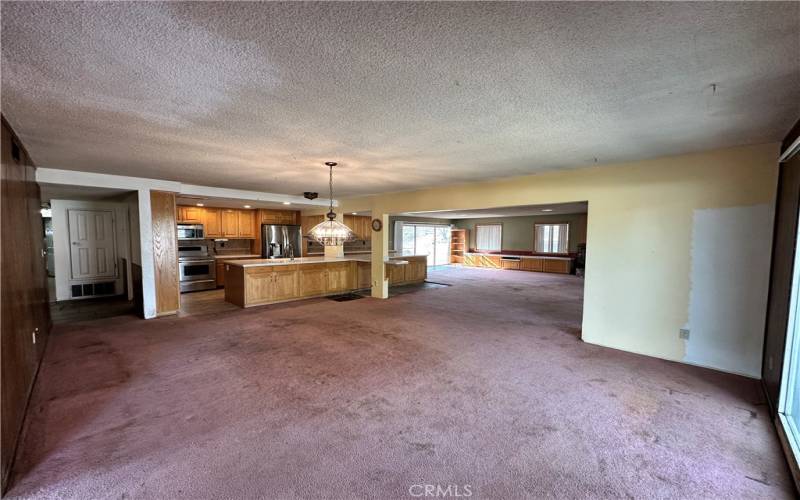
{"x":639,"y":237}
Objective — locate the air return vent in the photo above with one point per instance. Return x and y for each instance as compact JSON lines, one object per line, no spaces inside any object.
{"x":93,"y":289}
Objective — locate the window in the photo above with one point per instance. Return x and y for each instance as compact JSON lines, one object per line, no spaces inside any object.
{"x":551,"y":238}
{"x":489,"y":237}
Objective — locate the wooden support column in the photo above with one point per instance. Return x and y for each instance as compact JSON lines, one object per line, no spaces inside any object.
{"x":165,"y":252}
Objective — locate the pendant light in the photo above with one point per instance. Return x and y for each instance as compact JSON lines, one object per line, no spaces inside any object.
{"x":331,"y":232}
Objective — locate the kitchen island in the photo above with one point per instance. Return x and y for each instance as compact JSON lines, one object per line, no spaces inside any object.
{"x":253,"y":282}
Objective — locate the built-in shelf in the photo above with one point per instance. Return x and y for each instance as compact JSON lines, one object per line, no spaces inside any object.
{"x":458,"y":238}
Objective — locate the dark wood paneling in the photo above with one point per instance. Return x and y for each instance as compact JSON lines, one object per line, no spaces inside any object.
{"x":23,"y":290}
{"x":165,"y":252}
{"x":780,"y":283}
{"x":138,"y":291}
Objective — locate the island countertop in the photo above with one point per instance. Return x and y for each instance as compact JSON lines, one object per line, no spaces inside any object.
{"x":310,"y":260}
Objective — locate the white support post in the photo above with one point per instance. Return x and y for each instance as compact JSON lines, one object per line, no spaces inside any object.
{"x":148,"y":262}
{"x":380,"y":253}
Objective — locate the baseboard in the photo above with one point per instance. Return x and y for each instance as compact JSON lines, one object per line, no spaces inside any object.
{"x":681,"y":361}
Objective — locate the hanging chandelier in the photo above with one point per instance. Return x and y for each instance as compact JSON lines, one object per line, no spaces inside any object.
{"x":331,"y":232}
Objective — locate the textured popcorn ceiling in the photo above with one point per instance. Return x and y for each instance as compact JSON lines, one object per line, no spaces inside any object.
{"x":405,"y":95}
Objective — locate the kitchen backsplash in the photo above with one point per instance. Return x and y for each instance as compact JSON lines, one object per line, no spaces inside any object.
{"x":230,"y":247}
{"x":351,"y":246}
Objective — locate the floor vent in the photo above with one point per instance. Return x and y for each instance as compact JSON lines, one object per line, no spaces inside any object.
{"x":345,"y":297}
{"x":93,"y":289}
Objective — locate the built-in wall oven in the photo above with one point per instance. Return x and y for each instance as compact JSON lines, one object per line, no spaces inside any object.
{"x":197,"y":270}
{"x":190,"y":232}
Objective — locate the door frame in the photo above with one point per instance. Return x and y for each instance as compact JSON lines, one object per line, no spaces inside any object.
{"x":61,"y":243}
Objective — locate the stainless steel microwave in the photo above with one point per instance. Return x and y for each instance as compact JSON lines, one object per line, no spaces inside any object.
{"x":190,"y":232}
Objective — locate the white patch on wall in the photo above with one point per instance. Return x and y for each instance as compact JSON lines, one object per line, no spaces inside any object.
{"x":729,"y":284}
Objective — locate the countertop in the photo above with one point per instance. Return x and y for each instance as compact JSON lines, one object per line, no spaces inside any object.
{"x":520,"y":256}
{"x":309,"y":260}
{"x":237,"y":256}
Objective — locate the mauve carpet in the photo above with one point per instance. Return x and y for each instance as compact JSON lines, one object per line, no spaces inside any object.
{"x":482,"y":384}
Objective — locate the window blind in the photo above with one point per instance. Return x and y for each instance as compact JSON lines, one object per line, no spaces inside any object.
{"x":551,"y":238}
{"x":489,"y":237}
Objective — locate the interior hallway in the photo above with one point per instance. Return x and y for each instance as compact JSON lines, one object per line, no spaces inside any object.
{"x":484,"y":383}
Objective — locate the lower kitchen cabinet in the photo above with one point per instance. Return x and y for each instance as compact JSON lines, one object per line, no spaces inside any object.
{"x":509,"y":264}
{"x":220,"y":274}
{"x":340,"y":277}
{"x":531,"y":264}
{"x":557,"y":266}
{"x":535,"y":264}
{"x":270,"y":284}
{"x":363,"y":274}
{"x":313,"y":280}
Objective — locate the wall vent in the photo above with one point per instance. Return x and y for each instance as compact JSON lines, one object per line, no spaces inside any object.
{"x":93,"y":289}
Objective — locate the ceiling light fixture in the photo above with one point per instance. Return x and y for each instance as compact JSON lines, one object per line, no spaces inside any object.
{"x":247,"y":206}
{"x":331,"y":232}
{"x":199,"y":204}
{"x":547,"y":210}
{"x":287,"y":202}
{"x":355,"y":213}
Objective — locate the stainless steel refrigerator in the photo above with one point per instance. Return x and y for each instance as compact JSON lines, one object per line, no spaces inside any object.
{"x":280,"y":241}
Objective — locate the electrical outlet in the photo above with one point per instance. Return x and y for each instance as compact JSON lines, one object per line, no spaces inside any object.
{"x":683,"y":333}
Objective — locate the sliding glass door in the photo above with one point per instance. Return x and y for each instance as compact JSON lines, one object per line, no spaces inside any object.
{"x":789,"y":403}
{"x":428,"y":239}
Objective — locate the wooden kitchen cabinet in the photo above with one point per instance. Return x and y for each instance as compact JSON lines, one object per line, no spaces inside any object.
{"x":309,"y":221}
{"x":531,"y":264}
{"x":220,"y":274}
{"x":340,"y":277}
{"x":363,"y":274}
{"x":267,"y":216}
{"x":396,"y":273}
{"x":212,"y":223}
{"x":192,"y":215}
{"x":360,"y":224}
{"x":284,"y":283}
{"x":313,"y":279}
{"x":561,"y":266}
{"x":270,"y":284}
{"x":230,"y":223}
{"x":509,"y":264}
{"x":247,"y":224}
{"x":491,"y":261}
{"x":416,"y":270}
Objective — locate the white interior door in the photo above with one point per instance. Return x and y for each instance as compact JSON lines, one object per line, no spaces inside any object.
{"x":92,"y":244}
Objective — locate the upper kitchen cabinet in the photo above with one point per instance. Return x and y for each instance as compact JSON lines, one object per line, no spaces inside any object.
{"x":247,"y":224}
{"x":212,"y":223}
{"x":309,"y":221}
{"x":277,"y":216}
{"x":360,"y":224}
{"x":230,"y":223}
{"x":190,"y":214}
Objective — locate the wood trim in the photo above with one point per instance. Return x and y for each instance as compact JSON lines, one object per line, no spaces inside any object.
{"x":165,"y":252}
{"x":789,"y":140}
